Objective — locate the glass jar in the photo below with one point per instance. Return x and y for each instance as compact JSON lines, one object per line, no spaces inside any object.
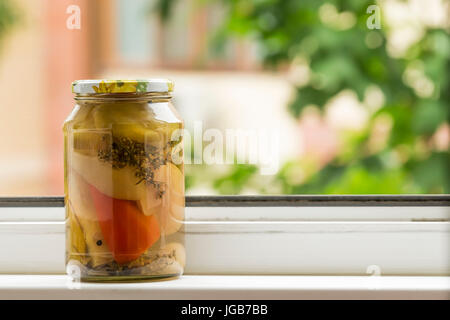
{"x":124,"y":181}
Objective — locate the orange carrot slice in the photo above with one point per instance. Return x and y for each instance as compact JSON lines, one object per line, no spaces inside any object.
{"x":127,"y":232}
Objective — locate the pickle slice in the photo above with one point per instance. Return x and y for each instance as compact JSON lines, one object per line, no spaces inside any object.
{"x":170,"y":259}
{"x":169,"y":209}
{"x":152,"y":133}
{"x":150,"y":203}
{"x":84,"y":119}
{"x":78,"y":247}
{"x":80,"y":198}
{"x":124,"y":112}
{"x":138,"y":133}
{"x":115,"y":183}
{"x":87,"y":220}
{"x":170,"y":132}
{"x":89,"y":142}
{"x":98,"y":250}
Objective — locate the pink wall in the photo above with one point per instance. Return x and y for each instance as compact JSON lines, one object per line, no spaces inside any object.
{"x":66,"y":59}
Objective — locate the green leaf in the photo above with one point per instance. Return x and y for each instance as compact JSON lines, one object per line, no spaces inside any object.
{"x":401,"y":132}
{"x":358,"y":180}
{"x":428,"y":115}
{"x":234,"y":182}
{"x":306,"y":96}
{"x":433,"y":174}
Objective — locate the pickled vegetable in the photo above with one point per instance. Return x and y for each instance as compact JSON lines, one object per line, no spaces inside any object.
{"x":128,"y":232}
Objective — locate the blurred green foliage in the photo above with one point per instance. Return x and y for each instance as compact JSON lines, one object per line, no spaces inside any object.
{"x":342,"y":57}
{"x":234,"y":182}
{"x":8,"y":17}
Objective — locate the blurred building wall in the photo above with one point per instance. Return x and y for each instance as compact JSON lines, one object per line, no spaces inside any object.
{"x":67,"y":58}
{"x":22,"y":125}
{"x":39,"y":59}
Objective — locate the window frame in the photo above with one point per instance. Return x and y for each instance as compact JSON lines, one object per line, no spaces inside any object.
{"x":319,"y":235}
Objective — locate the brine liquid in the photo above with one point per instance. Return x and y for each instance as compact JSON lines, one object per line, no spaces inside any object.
{"x":124,"y":203}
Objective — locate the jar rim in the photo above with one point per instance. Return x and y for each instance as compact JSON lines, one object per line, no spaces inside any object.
{"x":110,"y":86}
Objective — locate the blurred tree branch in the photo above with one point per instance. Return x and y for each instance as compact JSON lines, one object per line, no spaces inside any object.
{"x":342,"y":53}
{"x":8,"y":17}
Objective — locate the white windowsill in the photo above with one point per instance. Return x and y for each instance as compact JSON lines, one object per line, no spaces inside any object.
{"x":396,"y":241}
{"x":230,"y":287}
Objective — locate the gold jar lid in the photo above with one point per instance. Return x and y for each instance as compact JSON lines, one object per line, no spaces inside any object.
{"x":122,"y":86}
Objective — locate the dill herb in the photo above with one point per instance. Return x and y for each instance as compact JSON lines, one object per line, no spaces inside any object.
{"x":145,"y":158}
